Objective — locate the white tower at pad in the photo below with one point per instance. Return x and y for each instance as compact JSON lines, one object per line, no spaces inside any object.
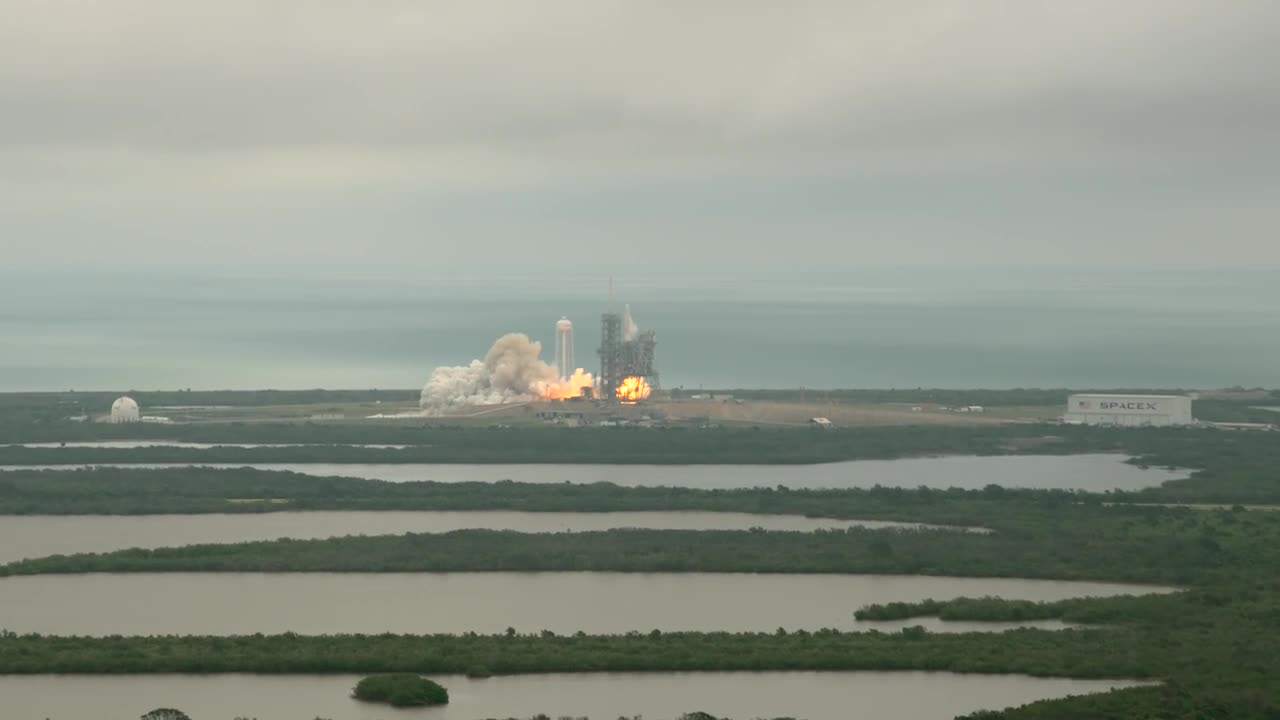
{"x":564,"y":348}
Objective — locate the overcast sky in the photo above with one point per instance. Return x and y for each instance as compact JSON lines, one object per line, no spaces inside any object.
{"x":858,"y":133}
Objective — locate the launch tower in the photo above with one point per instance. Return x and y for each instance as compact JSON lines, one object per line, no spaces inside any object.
{"x":625,"y":351}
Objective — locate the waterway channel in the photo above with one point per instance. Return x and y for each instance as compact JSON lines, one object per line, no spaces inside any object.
{"x":425,"y":603}
{"x":33,"y":536}
{"x":600,"y":696}
{"x":1094,"y":472}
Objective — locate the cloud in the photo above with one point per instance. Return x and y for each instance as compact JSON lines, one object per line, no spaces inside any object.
{"x":117,"y":109}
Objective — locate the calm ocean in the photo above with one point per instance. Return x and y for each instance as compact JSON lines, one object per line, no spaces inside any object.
{"x":824,"y":329}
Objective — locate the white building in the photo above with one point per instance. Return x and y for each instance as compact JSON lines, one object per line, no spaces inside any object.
{"x":125,"y":410}
{"x":1128,"y":410}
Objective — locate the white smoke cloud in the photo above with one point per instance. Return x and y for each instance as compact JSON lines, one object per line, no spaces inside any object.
{"x":511,"y":371}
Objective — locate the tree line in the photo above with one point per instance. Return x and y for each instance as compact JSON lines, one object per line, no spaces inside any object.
{"x":1077,"y":542}
{"x":1215,"y":652}
{"x":1230,"y":467}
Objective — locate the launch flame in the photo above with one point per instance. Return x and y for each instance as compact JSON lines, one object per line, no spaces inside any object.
{"x":578,"y":384}
{"x":632,"y":389}
{"x":510,"y":372}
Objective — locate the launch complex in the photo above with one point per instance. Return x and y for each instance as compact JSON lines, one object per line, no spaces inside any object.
{"x":627,"y":371}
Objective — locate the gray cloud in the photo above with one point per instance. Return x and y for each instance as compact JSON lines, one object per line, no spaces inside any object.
{"x":861,"y":131}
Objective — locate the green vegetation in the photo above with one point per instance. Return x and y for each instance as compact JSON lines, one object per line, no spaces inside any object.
{"x":1020,"y":397}
{"x":1076,"y":542}
{"x":1205,"y":647}
{"x":130,"y":491}
{"x":1212,"y":649}
{"x":1031,"y":651}
{"x":1232,"y":467}
{"x":1039,"y":534}
{"x":1236,"y":465}
{"x":1213,"y":404}
{"x":55,"y":406}
{"x":51,"y":406}
{"x":401,"y":690}
{"x":1090,"y":611}
{"x":165,"y":714}
{"x":543,"y":444}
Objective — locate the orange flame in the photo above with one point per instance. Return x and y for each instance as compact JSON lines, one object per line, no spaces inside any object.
{"x":632,"y":389}
{"x":580,"y":383}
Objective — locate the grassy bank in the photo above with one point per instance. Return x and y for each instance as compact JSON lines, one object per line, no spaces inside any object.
{"x":140,"y":491}
{"x":1075,"y":542}
{"x":1062,"y":653}
{"x":1207,"y":651}
{"x":547,"y":444}
{"x":1214,"y":647}
{"x":1230,"y":467}
{"x":1090,"y":611}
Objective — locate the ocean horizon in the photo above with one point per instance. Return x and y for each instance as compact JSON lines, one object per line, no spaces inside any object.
{"x":728,"y":328}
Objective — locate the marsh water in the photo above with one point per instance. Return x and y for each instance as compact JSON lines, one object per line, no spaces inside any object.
{"x":600,"y":696}
{"x":33,"y":536}
{"x":425,"y":603}
{"x":1096,"y":472}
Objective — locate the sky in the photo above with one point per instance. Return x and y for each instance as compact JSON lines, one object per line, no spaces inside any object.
{"x":405,"y":133}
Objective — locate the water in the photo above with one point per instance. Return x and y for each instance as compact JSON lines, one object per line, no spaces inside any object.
{"x":34,"y":536}
{"x":1097,"y":472}
{"x":425,"y":603}
{"x":731,"y":327}
{"x":600,"y":696}
{"x":130,"y":444}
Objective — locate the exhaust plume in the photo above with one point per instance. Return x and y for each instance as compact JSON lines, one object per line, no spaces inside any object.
{"x":511,"y":371}
{"x":629,"y":327}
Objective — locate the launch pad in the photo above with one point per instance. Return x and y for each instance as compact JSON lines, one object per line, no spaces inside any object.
{"x":627,"y":370}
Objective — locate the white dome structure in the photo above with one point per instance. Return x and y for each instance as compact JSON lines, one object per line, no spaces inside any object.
{"x":125,"y":410}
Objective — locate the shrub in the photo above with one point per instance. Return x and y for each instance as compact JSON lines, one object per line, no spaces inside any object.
{"x":401,"y":690}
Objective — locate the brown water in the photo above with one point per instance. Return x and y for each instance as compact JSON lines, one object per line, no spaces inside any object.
{"x":424,"y":603}
{"x":36,"y":536}
{"x":601,"y":696}
{"x":1097,"y":472}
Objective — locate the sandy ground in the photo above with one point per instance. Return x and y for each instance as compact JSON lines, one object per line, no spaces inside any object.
{"x":747,"y":412}
{"x":796,"y":413}
{"x":760,"y":413}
